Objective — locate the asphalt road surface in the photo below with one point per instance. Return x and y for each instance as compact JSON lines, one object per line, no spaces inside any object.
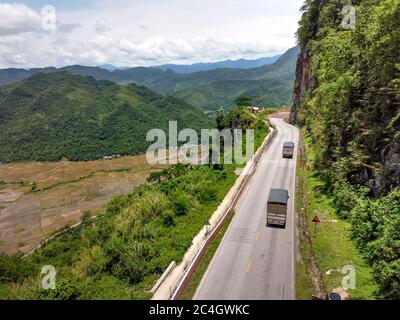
{"x":253,"y":261}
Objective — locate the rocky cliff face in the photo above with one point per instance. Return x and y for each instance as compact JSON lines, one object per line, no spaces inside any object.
{"x":305,"y":80}
{"x":381,"y":182}
{"x":358,"y":125}
{"x":304,"y":83}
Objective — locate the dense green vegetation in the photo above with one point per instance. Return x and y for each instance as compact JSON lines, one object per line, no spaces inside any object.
{"x":244,"y":101}
{"x":352,"y":114}
{"x":123,"y":251}
{"x":221,"y":94}
{"x":331,"y":242}
{"x":62,"y":115}
{"x":241,"y":117}
{"x":130,"y":245}
{"x":269,"y":85}
{"x":376,"y":230}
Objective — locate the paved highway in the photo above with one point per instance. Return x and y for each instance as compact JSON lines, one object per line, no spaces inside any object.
{"x":254,"y":261}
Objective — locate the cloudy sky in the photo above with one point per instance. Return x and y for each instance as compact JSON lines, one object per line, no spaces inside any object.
{"x":40,"y":33}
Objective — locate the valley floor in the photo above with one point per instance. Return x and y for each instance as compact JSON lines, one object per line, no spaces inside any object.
{"x":38,"y":199}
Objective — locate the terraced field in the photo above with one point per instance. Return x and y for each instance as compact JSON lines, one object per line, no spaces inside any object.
{"x":39,"y":199}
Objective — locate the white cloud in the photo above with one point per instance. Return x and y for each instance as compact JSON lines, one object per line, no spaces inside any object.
{"x":18,"y":18}
{"x":102,"y":26}
{"x":68,"y":27}
{"x":132,"y":33}
{"x":124,"y":52}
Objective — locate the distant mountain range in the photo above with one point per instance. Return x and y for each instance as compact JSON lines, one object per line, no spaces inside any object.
{"x":110,"y":67}
{"x":268,"y":85}
{"x":47,"y":117}
{"x":196,"y":67}
{"x":231,"y":64}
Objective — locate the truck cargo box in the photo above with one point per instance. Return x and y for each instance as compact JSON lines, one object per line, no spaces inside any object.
{"x":288,"y":150}
{"x":277,"y":207}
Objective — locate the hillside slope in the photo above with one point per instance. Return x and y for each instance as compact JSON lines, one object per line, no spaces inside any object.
{"x":207,"y":90}
{"x":353,"y":78}
{"x":268,"y":86}
{"x":57,"y":115}
{"x":347,"y":94}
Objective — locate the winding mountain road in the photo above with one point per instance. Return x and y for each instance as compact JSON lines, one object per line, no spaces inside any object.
{"x":253,"y":261}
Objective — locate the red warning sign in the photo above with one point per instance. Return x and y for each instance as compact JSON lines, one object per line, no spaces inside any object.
{"x":316,"y":219}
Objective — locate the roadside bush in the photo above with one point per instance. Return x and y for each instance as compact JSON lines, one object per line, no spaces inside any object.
{"x":14,"y":269}
{"x":169,"y":173}
{"x":207,"y":194}
{"x":96,"y":260}
{"x":182,"y":203}
{"x":376,"y":230}
{"x":68,"y":288}
{"x":168,"y":219}
{"x":116,"y":204}
{"x":105,"y":287}
{"x":63,"y":251}
{"x":388,"y":276}
{"x":142,"y":231}
{"x":155,"y":177}
{"x":168,"y":187}
{"x":150,"y":205}
{"x":222,"y":176}
{"x":344,"y":198}
{"x":132,"y":265}
{"x":113,"y":248}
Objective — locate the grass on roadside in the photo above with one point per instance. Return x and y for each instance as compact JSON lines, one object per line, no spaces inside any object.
{"x":332,"y":246}
{"x":303,"y":283}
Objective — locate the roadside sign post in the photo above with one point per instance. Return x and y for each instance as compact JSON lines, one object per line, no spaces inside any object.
{"x":316,"y":220}
{"x":208,"y":225}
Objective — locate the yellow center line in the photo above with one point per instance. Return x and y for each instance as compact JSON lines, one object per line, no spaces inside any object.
{"x":258,"y":236}
{"x":249,"y":266}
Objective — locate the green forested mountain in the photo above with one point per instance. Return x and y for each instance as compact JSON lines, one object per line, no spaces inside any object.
{"x":57,"y":115}
{"x":265,"y":93}
{"x":268,"y":85}
{"x":10,"y":76}
{"x":347,"y":94}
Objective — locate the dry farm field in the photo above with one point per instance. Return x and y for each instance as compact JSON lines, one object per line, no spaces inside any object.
{"x":39,"y":199}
